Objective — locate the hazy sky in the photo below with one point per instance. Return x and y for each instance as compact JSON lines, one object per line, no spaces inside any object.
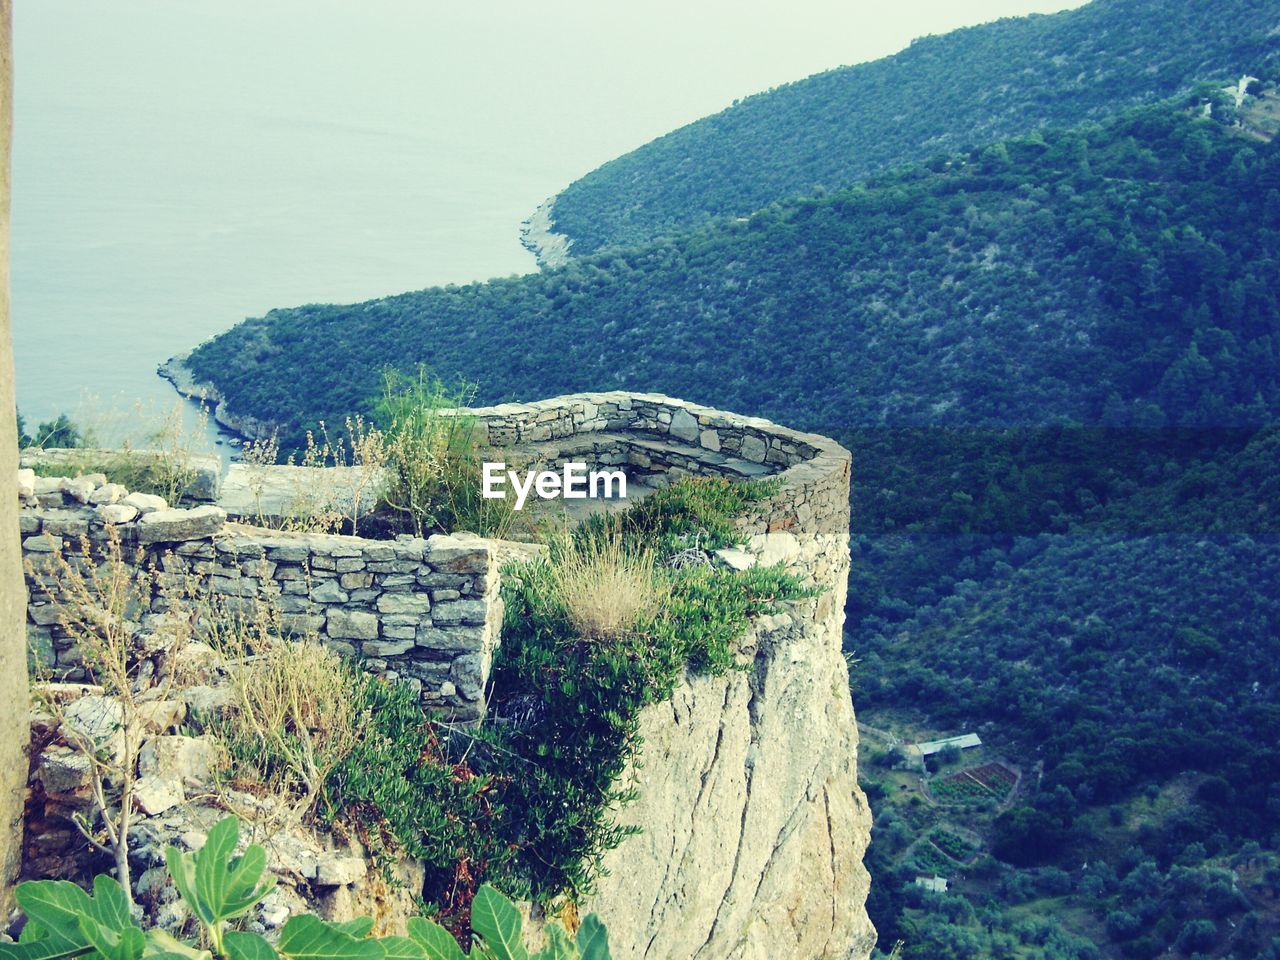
{"x":608,"y":74}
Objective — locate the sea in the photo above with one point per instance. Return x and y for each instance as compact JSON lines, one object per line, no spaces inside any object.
{"x":180,"y":165}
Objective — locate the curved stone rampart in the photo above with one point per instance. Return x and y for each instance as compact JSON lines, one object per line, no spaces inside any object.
{"x":656,"y":438}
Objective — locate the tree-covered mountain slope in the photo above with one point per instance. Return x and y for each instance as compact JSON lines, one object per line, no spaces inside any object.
{"x":1120,"y":273}
{"x":941,"y":94}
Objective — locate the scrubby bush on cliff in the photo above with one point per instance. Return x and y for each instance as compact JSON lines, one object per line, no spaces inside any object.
{"x":99,"y":592}
{"x":433,"y":459}
{"x":219,"y":888}
{"x":574,"y":701}
{"x":604,"y":584}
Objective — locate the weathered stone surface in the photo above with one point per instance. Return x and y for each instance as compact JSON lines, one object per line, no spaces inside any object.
{"x":117,"y":513}
{"x":145,"y":502}
{"x":155,"y":795}
{"x":450,"y":555}
{"x":45,"y":614}
{"x":206,"y":701}
{"x":186,"y":760}
{"x":753,"y":824}
{"x":26,"y":483}
{"x":63,"y":770}
{"x":447,"y":639}
{"x":352,"y":625}
{"x":171,"y":526}
{"x":281,"y":491}
{"x":754,"y":449}
{"x":93,"y":718}
{"x":78,"y":488}
{"x":735,"y":558}
{"x":108,"y":493}
{"x":335,"y":870}
{"x":196,"y":658}
{"x":386,"y":648}
{"x":404,"y":603}
{"x":684,"y":426}
{"x":39,"y":543}
{"x":160,"y":715}
{"x":774,"y":548}
{"x":67,"y":525}
{"x":470,"y":612}
{"x":328,"y":591}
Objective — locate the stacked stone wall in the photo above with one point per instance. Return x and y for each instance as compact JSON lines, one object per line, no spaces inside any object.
{"x":423,"y":611}
{"x":662,"y":437}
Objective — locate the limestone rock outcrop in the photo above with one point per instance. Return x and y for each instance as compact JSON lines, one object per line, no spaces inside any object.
{"x":753,"y":827}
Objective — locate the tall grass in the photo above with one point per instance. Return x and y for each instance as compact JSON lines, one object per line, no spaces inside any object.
{"x":434,"y":458}
{"x":605,"y":584}
{"x":291,"y":719}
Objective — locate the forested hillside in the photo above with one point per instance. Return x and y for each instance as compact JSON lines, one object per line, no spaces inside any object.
{"x":1008,"y":583}
{"x":1120,"y":273}
{"x":942,"y":94}
{"x":1055,"y":359}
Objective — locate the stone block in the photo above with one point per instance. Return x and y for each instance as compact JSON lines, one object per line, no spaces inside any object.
{"x":352,"y":625}
{"x":328,"y":592}
{"x":116,"y":513}
{"x":404,"y":603}
{"x":187,"y":760}
{"x":108,"y":493}
{"x":448,"y":639}
{"x":684,"y":426}
{"x":471,"y":612}
{"x":386,"y":648}
{"x":145,"y":502}
{"x":448,"y":555}
{"x":155,"y":795}
{"x":63,"y":770}
{"x":337,"y":870}
{"x":172,"y":526}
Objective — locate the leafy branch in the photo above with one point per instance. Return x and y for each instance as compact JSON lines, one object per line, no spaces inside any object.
{"x":65,"y":922}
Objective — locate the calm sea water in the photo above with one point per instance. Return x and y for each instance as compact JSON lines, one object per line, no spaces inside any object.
{"x":181,"y":166}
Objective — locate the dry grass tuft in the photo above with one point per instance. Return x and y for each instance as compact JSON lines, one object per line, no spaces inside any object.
{"x":291,"y":719}
{"x":604,"y":585}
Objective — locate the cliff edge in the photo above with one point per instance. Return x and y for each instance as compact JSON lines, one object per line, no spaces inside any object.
{"x":753,"y":824}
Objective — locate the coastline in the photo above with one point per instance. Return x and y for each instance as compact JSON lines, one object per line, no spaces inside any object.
{"x":176,"y":371}
{"x":538,"y":236}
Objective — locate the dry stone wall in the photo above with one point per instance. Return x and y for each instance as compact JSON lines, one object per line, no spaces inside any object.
{"x":752,"y":824}
{"x":656,"y":439}
{"x":423,"y":611}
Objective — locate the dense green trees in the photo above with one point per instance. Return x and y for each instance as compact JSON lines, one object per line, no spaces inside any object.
{"x":1116,"y":274}
{"x":940,"y":94}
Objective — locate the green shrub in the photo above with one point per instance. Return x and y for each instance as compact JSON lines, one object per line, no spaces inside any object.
{"x":65,"y":922}
{"x":697,"y":512}
{"x":406,"y":787}
{"x":580,"y":698}
{"x":433,"y":458}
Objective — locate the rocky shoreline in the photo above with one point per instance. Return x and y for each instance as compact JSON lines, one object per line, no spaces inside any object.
{"x":176,"y":371}
{"x":538,"y":236}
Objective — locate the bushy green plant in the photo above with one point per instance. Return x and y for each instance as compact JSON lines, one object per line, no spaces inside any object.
{"x":433,"y":459}
{"x":582,"y":696}
{"x":63,"y":921}
{"x":406,"y":787}
{"x":695,"y":512}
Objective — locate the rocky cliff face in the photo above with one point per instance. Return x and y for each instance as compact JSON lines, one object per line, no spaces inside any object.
{"x":753,"y":824}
